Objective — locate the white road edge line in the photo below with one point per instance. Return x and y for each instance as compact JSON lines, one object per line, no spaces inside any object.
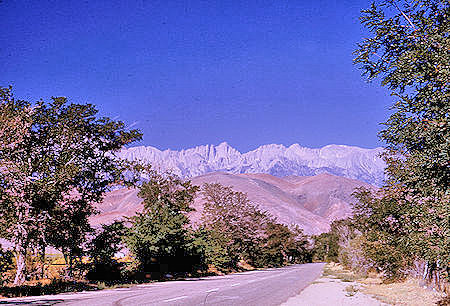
{"x":212,"y":290}
{"x":234,"y":285}
{"x":176,"y":299}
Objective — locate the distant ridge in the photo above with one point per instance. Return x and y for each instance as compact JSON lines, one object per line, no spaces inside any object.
{"x":278,"y":160}
{"x":312,"y":202}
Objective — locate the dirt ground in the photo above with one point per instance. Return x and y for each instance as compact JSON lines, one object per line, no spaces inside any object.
{"x":330,"y":291}
{"x":339,"y":286}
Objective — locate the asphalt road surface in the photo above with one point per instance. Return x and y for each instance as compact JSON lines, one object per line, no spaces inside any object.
{"x":261,"y":287}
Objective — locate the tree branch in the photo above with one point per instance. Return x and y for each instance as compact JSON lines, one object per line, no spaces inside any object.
{"x":404,"y":15}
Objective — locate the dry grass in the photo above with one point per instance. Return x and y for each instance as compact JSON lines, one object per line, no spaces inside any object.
{"x":351,"y":290}
{"x":408,"y":292}
{"x":245,"y":266}
{"x":403,"y":293}
{"x":334,"y":270}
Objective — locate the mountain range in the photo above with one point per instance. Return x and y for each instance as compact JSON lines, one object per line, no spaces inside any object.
{"x":274,"y":159}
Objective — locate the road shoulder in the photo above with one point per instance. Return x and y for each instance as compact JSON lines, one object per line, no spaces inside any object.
{"x":341,"y":286}
{"x":331,"y":290}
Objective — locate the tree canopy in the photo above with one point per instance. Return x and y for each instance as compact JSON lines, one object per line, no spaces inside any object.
{"x":408,"y":49}
{"x":160,"y":232}
{"x":56,"y":160}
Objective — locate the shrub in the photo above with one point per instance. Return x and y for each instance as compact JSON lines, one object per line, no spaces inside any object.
{"x":6,"y":264}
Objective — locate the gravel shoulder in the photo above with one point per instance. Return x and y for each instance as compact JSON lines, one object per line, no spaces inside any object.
{"x":331,"y":291}
{"x":340,"y":286}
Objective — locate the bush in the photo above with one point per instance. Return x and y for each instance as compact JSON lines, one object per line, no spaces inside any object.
{"x":6,"y":264}
{"x":102,"y":250}
{"x":55,"y":287}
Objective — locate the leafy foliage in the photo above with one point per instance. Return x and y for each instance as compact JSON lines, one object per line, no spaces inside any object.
{"x":102,"y":250}
{"x":212,"y":245}
{"x":281,"y":245}
{"x":108,"y":242}
{"x":239,"y":222}
{"x":56,"y":164}
{"x":326,"y":247}
{"x":161,"y":230}
{"x":408,"y":50}
{"x":407,"y":221}
{"x":6,"y":264}
{"x":237,"y":230}
{"x":384,"y":223}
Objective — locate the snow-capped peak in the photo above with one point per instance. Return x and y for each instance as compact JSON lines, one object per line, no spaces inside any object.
{"x":275,"y":159}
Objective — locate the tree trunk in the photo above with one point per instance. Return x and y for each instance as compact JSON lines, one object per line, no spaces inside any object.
{"x":68,"y":259}
{"x":21,"y":253}
{"x":71,"y":266}
{"x":42,"y":259}
{"x":425,"y":272}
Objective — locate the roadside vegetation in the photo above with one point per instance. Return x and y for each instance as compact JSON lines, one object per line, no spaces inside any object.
{"x":409,"y":292}
{"x":402,"y":230}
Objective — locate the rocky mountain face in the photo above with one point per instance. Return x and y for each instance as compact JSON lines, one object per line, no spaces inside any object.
{"x":278,"y":160}
{"x":312,"y":202}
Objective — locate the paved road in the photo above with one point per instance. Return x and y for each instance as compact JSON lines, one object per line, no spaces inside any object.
{"x":262,"y":287}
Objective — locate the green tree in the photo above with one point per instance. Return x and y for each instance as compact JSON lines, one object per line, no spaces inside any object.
{"x":326,"y":247}
{"x":162,"y":229}
{"x":212,"y":245}
{"x":384,"y":223}
{"x":408,"y":50}
{"x":107,"y":242}
{"x":102,"y":248}
{"x":59,"y":165}
{"x":297,"y":247}
{"x":234,"y":229}
{"x":274,"y":251}
{"x":239,"y":226}
{"x":282,"y":245}
{"x":15,"y":122}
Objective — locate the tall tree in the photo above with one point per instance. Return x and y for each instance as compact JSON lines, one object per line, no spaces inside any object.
{"x":240,"y":226}
{"x":160,"y":232}
{"x":408,"y":50}
{"x":63,"y":163}
{"x":17,"y":217}
{"x":278,"y":245}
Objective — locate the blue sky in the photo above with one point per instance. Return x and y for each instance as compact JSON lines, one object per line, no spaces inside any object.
{"x":196,"y":72}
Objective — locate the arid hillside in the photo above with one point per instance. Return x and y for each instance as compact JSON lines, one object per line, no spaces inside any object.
{"x":312,"y":202}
